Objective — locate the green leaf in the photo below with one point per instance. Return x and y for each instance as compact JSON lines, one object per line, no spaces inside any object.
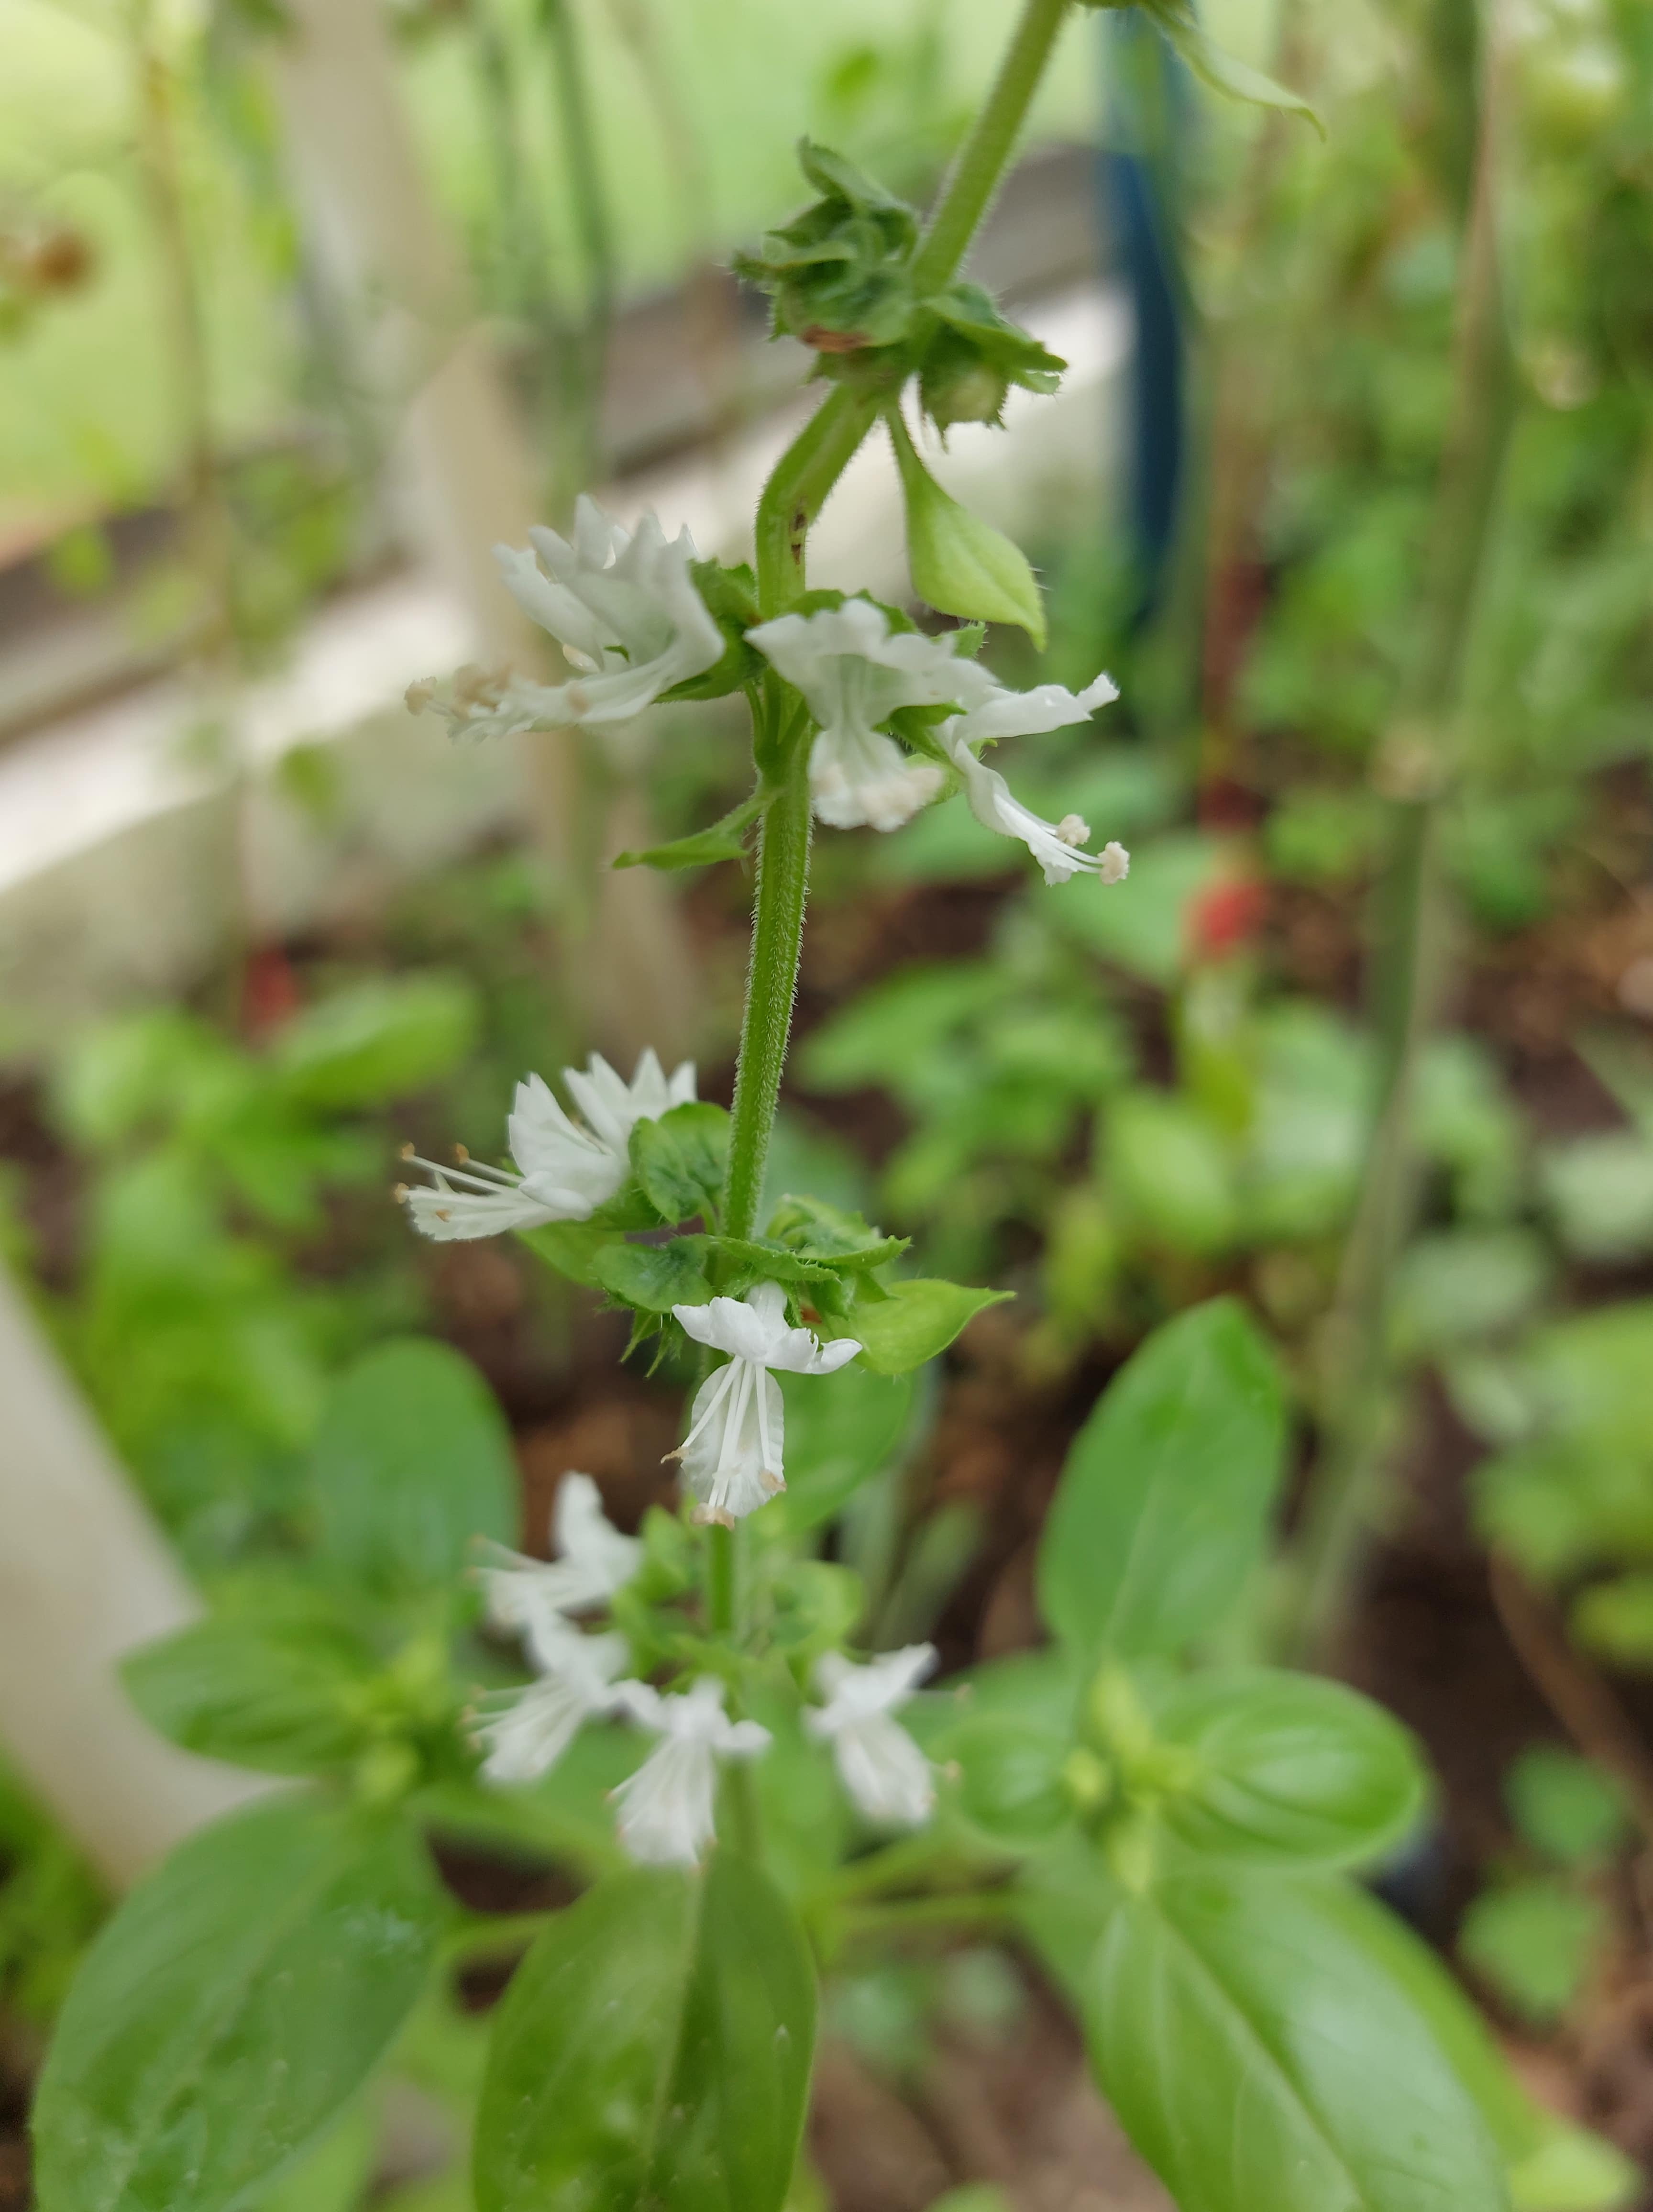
{"x":1564,"y":1807}
{"x":1220,"y":70}
{"x":569,"y":1247}
{"x":1573,"y":2171}
{"x":725,"y":839}
{"x":233,"y":2005}
{"x":832,"y":1235}
{"x":283,"y":1696}
{"x":1534,"y":1942}
{"x":1292,"y":1770}
{"x":377,"y":1040}
{"x":1615,"y":1619}
{"x":1163,"y":1508}
{"x":841,"y":1430}
{"x":1258,"y":2054}
{"x":915,"y":1322}
{"x":653,"y":1278}
{"x":653,"y":2049}
{"x":679,"y":1160}
{"x":1169,"y":1172}
{"x":961,"y":565}
{"x":1011,"y":1776}
{"x":412,"y":1460}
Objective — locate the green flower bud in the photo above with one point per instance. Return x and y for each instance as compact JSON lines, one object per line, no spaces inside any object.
{"x":1087,"y":1781}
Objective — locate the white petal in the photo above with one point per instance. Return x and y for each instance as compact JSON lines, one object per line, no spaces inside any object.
{"x":588,"y":1539}
{"x":996,"y":808}
{"x":887,"y":1776}
{"x":867,"y":779}
{"x":453,"y":1216}
{"x":732,"y":1457}
{"x":603,"y":1097}
{"x":854,"y":1693}
{"x":726,"y":1325}
{"x":551,"y":604}
{"x":554,"y":1154}
{"x":1004,"y":714}
{"x":665,"y":1807}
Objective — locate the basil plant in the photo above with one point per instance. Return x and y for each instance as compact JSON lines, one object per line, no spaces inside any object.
{"x":740,"y":1786}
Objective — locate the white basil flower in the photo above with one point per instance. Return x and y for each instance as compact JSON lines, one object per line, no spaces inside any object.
{"x":567,"y":1170}
{"x":593,"y":1561}
{"x":887,"y":1776}
{"x":731,"y":1455}
{"x":665,"y":1807}
{"x":1056,"y":846}
{"x":527,"y":1731}
{"x":624,"y":607}
{"x":855,"y":673}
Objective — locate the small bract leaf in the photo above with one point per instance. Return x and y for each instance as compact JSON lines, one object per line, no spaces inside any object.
{"x":1214,"y":66}
{"x":679,"y":1160}
{"x":915,"y":1322}
{"x":961,"y":565}
{"x":654,"y":1278}
{"x":724,"y":840}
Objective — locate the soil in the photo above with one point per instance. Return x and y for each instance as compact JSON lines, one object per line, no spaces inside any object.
{"x":1012,"y":2104}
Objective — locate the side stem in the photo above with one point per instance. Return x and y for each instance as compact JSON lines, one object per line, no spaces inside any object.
{"x":1412,"y":920}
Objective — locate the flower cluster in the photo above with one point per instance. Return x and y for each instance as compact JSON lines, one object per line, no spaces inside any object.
{"x":628,"y":615}
{"x":567,"y":1168}
{"x":665,"y":1809}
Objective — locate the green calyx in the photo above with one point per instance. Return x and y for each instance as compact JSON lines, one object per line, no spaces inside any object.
{"x":842,"y":277}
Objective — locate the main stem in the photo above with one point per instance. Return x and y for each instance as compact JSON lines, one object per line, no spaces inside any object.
{"x":793,"y":498}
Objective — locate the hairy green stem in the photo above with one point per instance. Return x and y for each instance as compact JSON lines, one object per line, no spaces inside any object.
{"x":771,"y":983}
{"x":796,"y":492}
{"x":798,"y":488}
{"x":985,"y":154}
{"x":817,"y":456}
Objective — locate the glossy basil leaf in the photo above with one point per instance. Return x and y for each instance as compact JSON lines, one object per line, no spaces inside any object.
{"x":653,"y":2049}
{"x":1011,"y":1777}
{"x":283,"y":1696}
{"x":1290,"y":1768}
{"x":654,"y":1278}
{"x":914,"y":1323}
{"x":1163,"y":1511}
{"x":723,"y":840}
{"x":1258,"y":2053}
{"x":679,"y":1160}
{"x":841,"y":1430}
{"x":412,"y":1461}
{"x":233,"y":2004}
